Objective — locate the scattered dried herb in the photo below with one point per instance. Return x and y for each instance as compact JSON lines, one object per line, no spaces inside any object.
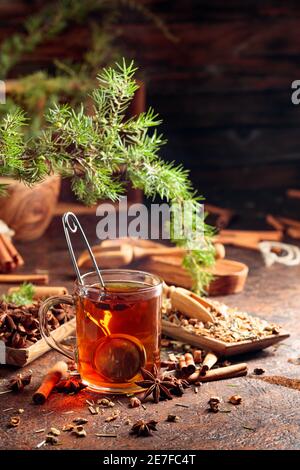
{"x":68,"y":427}
{"x":134,"y":402}
{"x":54,"y":432}
{"x":79,"y":431}
{"x":235,"y":400}
{"x":155,"y":385}
{"x":143,"y":429}
{"x":173,"y":418}
{"x":41,"y":444}
{"x":53,"y":440}
{"x":112,"y":417}
{"x":14,"y":421}
{"x":94,"y":410}
{"x":17,"y":383}
{"x":259,"y":371}
{"x":249,"y":428}
{"x":80,"y":421}
{"x":214,"y":404}
{"x":106,"y":403}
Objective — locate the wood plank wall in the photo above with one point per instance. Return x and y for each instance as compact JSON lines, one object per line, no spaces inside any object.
{"x":223,"y":89}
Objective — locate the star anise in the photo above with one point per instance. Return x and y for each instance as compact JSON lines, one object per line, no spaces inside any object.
{"x":71,"y":385}
{"x":178,"y":385}
{"x":18,"y":383}
{"x":155,"y":385}
{"x":143,"y":428}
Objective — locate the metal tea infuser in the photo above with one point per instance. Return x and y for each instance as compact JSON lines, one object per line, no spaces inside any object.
{"x":118,"y":349}
{"x":72,"y":224}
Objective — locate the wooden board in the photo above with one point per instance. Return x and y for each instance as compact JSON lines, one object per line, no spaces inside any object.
{"x":220,"y":347}
{"x":230,"y":276}
{"x":22,"y":357}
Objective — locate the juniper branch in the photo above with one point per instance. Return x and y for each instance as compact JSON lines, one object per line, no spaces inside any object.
{"x":90,"y":150}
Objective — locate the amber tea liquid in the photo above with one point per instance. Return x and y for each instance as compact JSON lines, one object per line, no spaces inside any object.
{"x":118,"y":331}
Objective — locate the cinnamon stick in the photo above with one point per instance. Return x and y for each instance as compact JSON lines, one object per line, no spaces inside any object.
{"x":41,"y":292}
{"x":19,"y":278}
{"x":293,"y":193}
{"x":294,"y":232}
{"x":58,"y":372}
{"x":290,"y":222}
{"x":6,"y":261}
{"x":197,"y":356}
{"x":182,"y":365}
{"x":209,"y":361}
{"x":236,"y":370}
{"x":12,"y":250}
{"x":10,"y":258}
{"x":274,"y":222}
{"x":224,"y":215}
{"x":190,"y":364}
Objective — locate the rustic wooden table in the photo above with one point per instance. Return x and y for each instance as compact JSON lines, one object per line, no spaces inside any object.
{"x":268,"y":417}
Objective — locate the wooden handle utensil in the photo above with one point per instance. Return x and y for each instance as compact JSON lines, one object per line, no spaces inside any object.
{"x":189,"y":303}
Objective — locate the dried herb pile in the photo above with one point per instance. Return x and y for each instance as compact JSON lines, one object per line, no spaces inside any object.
{"x":230,"y":324}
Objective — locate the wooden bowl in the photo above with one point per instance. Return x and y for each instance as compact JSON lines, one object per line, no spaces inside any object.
{"x":29,"y":210}
{"x":229,"y":275}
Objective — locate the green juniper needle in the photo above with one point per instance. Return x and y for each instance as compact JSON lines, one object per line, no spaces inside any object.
{"x":90,"y":150}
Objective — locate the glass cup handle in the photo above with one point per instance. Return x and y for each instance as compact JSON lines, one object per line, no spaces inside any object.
{"x":44,"y":329}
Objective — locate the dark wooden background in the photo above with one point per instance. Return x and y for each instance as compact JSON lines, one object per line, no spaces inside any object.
{"x":223,"y":90}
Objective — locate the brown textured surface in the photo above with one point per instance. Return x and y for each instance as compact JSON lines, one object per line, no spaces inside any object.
{"x":223,"y":90}
{"x":271,"y":411}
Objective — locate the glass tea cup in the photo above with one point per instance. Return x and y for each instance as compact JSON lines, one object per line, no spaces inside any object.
{"x":118,"y":328}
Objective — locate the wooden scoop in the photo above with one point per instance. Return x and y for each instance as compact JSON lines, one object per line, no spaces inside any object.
{"x":189,"y":303}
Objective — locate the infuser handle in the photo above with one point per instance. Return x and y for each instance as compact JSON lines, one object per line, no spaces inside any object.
{"x":44,"y":329}
{"x":71,"y":225}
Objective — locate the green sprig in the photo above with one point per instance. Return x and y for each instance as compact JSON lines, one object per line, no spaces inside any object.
{"x":91,"y":150}
{"x":22,"y":296}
